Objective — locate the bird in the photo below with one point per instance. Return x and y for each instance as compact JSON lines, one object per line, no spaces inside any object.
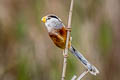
{"x":58,"y":33}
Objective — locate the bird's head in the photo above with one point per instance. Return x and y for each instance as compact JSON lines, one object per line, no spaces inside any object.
{"x":52,"y":22}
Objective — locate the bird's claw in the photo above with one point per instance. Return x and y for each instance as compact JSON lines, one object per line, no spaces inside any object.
{"x":65,"y":55}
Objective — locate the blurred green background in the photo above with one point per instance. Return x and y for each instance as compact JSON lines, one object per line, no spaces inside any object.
{"x":27,"y":53}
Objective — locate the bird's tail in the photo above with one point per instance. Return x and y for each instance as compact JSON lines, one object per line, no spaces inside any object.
{"x":92,"y":69}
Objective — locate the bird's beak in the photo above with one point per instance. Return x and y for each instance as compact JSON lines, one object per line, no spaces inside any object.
{"x":44,"y":19}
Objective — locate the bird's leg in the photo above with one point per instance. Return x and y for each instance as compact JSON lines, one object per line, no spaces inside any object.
{"x":65,"y":55}
{"x":70,"y":41}
{"x":69,"y":45}
{"x":68,"y":29}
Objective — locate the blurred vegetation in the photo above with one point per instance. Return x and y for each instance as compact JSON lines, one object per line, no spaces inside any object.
{"x":27,"y":53}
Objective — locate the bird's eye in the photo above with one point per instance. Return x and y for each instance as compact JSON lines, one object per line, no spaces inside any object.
{"x":48,"y":18}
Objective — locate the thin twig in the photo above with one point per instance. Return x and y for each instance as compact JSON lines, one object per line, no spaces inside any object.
{"x":67,"y":40}
{"x":82,"y":75}
{"x":74,"y":77}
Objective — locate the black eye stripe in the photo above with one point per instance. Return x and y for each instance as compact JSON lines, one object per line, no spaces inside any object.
{"x":53,"y":16}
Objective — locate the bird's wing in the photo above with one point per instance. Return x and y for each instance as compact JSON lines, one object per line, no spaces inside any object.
{"x":56,"y":35}
{"x":59,"y":36}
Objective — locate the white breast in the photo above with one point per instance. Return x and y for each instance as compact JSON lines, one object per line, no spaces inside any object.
{"x":53,"y":24}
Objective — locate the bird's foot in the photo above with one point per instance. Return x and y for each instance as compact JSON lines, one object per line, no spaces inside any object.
{"x":68,"y":29}
{"x":65,"y":55}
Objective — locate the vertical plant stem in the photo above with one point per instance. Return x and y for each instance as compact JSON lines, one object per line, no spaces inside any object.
{"x":67,"y":40}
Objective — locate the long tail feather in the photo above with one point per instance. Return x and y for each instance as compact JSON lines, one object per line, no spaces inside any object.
{"x":92,"y":69}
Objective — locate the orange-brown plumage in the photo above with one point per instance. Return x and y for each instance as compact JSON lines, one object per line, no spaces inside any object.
{"x":59,"y":37}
